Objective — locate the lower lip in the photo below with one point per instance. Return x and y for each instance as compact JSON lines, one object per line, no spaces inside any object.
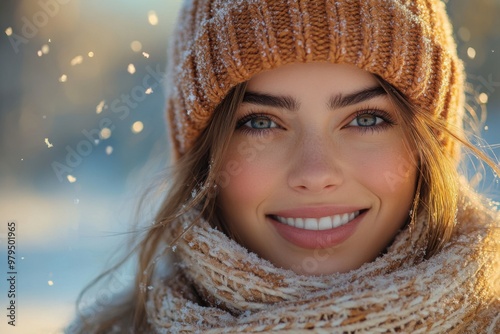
{"x":317,"y":239}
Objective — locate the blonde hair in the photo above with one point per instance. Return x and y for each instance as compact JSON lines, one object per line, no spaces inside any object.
{"x":194,"y":185}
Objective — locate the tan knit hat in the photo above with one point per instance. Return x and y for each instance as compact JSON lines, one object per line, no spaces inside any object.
{"x":221,"y":43}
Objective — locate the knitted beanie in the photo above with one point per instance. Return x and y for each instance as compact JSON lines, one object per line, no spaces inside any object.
{"x":221,"y":43}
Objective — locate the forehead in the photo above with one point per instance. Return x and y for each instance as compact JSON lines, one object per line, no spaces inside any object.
{"x":339,"y":78}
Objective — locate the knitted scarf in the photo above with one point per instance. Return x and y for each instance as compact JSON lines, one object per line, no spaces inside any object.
{"x":220,"y":287}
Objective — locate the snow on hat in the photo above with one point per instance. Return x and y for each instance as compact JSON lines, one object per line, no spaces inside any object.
{"x":221,"y":43}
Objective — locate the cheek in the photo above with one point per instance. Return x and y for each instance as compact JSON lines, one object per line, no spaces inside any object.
{"x":389,"y":173}
{"x":244,"y":180}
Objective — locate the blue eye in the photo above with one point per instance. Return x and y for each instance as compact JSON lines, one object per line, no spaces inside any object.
{"x":366,"y":120}
{"x":260,"y":122}
{"x":257,"y":123}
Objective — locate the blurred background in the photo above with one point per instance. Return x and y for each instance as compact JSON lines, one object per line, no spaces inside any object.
{"x":82,"y":133}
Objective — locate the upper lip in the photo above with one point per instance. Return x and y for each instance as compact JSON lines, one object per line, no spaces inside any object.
{"x":317,"y":211}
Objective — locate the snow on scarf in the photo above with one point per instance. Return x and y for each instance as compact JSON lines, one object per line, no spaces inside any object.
{"x":220,"y":287}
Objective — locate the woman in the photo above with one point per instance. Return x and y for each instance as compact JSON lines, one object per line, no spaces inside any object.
{"x":315,"y":183}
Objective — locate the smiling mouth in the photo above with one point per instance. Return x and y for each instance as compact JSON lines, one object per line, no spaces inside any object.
{"x":318,"y":224}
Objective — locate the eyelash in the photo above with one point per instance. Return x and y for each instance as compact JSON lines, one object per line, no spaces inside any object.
{"x":388,"y":121}
{"x":252,"y":115}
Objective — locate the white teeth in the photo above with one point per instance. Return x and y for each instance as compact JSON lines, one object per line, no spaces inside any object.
{"x":310,"y":224}
{"x":336,"y":221}
{"x":323,"y":223}
{"x":345,"y":218}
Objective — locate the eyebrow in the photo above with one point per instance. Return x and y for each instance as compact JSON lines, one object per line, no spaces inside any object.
{"x":283,"y":102}
{"x":334,"y":102}
{"x":341,"y":101}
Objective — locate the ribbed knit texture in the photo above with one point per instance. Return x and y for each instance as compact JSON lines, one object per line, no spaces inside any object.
{"x":221,"y":43}
{"x":220,"y":287}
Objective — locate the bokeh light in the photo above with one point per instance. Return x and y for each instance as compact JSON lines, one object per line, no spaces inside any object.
{"x":137,"y":127}
{"x":82,"y":130}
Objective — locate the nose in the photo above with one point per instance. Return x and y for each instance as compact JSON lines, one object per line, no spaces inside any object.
{"x":314,"y":166}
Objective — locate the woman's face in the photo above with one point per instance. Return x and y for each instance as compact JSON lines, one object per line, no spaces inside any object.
{"x":317,"y":178}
